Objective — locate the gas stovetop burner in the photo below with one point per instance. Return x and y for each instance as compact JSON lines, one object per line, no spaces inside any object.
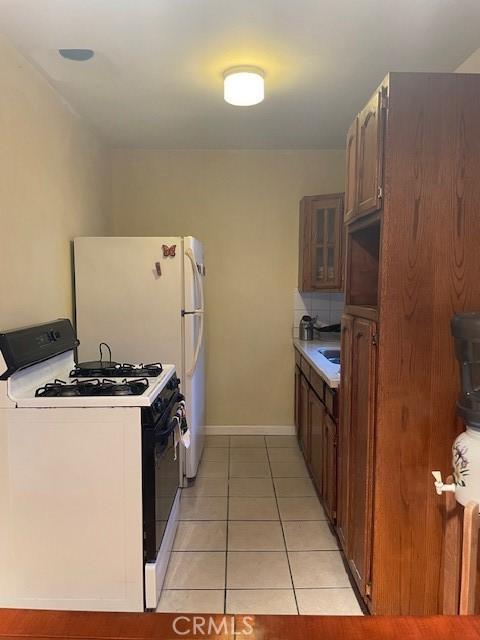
{"x":115,"y":370}
{"x":124,"y":388}
{"x":94,"y":387}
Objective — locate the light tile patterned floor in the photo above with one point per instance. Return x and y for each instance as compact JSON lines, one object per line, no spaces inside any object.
{"x":253,"y":536}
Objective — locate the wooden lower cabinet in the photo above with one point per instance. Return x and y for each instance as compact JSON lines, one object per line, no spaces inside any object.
{"x":317,"y":435}
{"x":330,"y":467}
{"x":298,"y":377}
{"x":303,"y":429}
{"x":344,"y":429}
{"x":357,"y":446}
{"x":317,"y":415}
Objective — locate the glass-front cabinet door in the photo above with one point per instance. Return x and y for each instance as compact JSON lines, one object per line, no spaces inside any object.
{"x":321,"y":243}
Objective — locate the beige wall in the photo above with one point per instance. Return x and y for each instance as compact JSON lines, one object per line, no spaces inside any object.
{"x":54,"y":185}
{"x":244,"y":206}
{"x":471,"y":64}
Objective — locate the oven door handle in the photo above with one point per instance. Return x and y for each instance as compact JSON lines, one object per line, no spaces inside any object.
{"x":176,"y":408}
{"x":160,"y":435}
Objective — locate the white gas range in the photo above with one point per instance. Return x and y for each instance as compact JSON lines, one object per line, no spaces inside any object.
{"x":89,"y":475}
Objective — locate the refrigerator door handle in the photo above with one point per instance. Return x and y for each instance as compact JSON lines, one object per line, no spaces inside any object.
{"x":199,"y":312}
{"x":198,"y":345}
{"x":197,"y":278}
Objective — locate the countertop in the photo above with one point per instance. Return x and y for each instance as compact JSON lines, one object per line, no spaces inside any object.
{"x":309,"y":349}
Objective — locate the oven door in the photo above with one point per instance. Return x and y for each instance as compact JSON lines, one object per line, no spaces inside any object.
{"x":161,"y":480}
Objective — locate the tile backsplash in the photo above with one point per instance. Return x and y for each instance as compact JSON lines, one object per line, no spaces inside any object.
{"x":328,"y":307}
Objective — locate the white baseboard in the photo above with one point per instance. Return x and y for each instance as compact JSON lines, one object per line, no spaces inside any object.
{"x":249,"y":430}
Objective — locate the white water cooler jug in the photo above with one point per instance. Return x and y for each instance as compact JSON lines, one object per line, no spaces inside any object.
{"x":466,"y":448}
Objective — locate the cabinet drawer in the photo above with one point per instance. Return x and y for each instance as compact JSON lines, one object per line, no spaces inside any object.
{"x":298,"y":358}
{"x":305,"y":367}
{"x":331,"y":402}
{"x":318,"y":384}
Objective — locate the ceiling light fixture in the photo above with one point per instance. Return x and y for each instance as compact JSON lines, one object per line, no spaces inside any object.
{"x":243,"y":86}
{"x":79,"y":55}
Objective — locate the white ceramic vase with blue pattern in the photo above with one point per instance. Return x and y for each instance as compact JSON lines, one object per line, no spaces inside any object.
{"x":466,"y":466}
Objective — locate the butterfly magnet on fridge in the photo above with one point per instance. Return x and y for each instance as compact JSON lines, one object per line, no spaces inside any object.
{"x":169,"y":252}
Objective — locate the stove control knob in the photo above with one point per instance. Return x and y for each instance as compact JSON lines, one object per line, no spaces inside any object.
{"x":174,"y":382}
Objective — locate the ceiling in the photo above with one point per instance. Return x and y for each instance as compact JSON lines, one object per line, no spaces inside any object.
{"x":156,"y":79}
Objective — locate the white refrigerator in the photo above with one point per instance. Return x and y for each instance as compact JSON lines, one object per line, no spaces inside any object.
{"x":144,"y":297}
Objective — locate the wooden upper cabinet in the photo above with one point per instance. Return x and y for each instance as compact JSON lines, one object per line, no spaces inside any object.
{"x":321,"y":243}
{"x":370,"y":155}
{"x":351,"y":172}
{"x":364,"y":153}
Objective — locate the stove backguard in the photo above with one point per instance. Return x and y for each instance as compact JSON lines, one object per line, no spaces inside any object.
{"x":21,"y":348}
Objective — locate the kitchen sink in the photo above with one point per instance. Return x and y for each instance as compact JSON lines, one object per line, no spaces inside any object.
{"x":333,"y":355}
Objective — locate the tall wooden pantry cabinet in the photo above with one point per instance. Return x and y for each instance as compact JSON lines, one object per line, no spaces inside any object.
{"x":412,"y":210}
